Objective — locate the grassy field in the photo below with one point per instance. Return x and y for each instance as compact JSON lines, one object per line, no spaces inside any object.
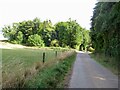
{"x":24,"y":57}
{"x":19,"y":65}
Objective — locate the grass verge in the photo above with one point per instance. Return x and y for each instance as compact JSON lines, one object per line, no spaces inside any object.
{"x":53,"y":76}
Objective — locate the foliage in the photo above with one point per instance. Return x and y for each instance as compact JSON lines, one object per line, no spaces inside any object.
{"x":46,"y":32}
{"x":53,"y":76}
{"x":105,"y":35}
{"x":55,"y":43}
{"x":9,"y":32}
{"x":19,"y":37}
{"x":35,"y":40}
{"x":63,"y":34}
{"x":71,"y":34}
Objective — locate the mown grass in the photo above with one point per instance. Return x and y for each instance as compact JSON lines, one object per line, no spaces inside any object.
{"x":19,"y":65}
{"x":108,"y":62}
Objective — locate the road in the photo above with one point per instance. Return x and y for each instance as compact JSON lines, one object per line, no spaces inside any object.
{"x":87,"y":73}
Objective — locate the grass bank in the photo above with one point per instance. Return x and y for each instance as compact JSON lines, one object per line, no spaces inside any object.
{"x":53,"y":76}
{"x":108,"y":62}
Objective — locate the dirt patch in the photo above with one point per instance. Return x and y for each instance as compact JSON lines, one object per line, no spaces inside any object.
{"x":67,"y":79}
{"x":7,"y":45}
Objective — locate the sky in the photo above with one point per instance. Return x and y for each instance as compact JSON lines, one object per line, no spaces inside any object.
{"x":56,"y":10}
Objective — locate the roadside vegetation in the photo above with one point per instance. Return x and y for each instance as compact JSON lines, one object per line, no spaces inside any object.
{"x":25,"y":65}
{"x":20,"y":65}
{"x":52,"y":77}
{"x":105,"y":34}
{"x":35,"y":37}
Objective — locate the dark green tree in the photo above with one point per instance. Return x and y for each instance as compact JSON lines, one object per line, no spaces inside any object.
{"x":105,"y":33}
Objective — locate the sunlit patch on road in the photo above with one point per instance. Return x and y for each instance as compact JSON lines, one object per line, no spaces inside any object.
{"x":100,"y":78}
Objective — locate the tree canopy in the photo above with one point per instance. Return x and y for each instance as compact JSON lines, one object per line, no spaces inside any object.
{"x":37,"y":33}
{"x":105,"y":25}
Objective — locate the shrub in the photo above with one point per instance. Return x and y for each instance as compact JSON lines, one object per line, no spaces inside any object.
{"x":35,"y":40}
{"x":55,"y":43}
{"x":19,"y":37}
{"x":90,"y":49}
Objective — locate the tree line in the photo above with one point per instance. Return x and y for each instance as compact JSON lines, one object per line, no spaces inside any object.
{"x":105,"y":25}
{"x":37,"y":33}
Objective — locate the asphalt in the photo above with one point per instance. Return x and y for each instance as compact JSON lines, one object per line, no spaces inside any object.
{"x":87,"y":73}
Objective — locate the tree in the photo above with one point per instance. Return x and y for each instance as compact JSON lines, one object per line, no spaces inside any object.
{"x":61,"y":33}
{"x":105,"y":28}
{"x":71,"y":34}
{"x":19,"y":38}
{"x":46,"y":32}
{"x":9,"y":33}
{"x":75,"y":33}
{"x":35,"y":33}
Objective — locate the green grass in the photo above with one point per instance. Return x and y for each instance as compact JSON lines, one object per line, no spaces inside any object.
{"x":26,"y":56}
{"x":53,"y":76}
{"x":23,"y":58}
{"x":108,"y":62}
{"x":20,"y":65}
{"x":15,"y":62}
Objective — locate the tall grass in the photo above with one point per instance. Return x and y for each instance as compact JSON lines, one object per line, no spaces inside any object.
{"x":52,"y":76}
{"x":19,"y":65}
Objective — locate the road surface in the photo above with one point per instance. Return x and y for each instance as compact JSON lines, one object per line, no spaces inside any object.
{"x":87,"y":73}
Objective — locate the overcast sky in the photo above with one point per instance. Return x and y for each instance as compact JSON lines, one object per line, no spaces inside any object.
{"x":55,"y":10}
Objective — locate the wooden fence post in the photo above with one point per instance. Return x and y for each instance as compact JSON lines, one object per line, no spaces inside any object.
{"x":43,"y":57}
{"x":56,"y":53}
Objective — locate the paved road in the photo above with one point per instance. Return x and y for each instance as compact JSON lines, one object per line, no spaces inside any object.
{"x":87,"y":73}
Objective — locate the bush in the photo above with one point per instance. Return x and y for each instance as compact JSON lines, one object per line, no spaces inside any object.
{"x":19,"y":37}
{"x":90,"y":49}
{"x":14,"y":42}
{"x":35,"y":40}
{"x":55,"y":43}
